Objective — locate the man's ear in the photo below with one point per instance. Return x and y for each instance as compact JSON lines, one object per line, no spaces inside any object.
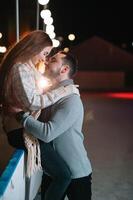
{"x":65,"y":68}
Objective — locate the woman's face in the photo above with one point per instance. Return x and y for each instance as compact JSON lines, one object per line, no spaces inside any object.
{"x":41,"y":57}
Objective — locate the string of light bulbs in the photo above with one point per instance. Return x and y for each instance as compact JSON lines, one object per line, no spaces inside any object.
{"x":48,"y":25}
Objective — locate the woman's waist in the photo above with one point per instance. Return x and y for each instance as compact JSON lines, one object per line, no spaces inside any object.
{"x":10,"y":123}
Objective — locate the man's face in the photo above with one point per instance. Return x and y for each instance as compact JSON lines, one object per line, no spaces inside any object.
{"x":54,"y":66}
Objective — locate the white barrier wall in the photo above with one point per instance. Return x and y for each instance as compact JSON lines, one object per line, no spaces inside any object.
{"x":13,"y":183}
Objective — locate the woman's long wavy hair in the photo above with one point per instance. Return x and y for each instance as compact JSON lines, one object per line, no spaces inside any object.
{"x":28,"y":47}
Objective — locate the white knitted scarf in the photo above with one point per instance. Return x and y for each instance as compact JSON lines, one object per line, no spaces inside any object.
{"x":33,"y":157}
{"x":33,"y":148}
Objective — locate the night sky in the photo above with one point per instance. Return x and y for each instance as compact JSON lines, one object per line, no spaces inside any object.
{"x":110,"y":20}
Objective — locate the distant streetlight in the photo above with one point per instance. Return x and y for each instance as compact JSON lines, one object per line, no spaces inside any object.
{"x":3,"y":49}
{"x":66,"y":49}
{"x":71,"y":37}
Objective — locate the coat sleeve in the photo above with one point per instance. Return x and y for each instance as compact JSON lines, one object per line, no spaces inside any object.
{"x":65,"y":114}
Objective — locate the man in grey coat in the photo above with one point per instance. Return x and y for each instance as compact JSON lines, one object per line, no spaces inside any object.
{"x":61,"y":124}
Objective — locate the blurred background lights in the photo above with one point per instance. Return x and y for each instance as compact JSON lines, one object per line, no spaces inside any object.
{"x":43,"y":2}
{"x":60,"y":38}
{"x":48,"y":20}
{"x":56,"y":43}
{"x":45,"y":13}
{"x":52,"y":35}
{"x":49,"y":29}
{"x":48,"y":26}
{"x":71,"y":37}
{"x":66,"y":49}
{"x":3,"y":49}
{"x":0,"y":35}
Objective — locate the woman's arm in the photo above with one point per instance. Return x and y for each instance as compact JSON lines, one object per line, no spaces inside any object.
{"x":27,"y":94}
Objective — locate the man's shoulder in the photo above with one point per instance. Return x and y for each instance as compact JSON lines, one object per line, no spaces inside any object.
{"x":70,"y":99}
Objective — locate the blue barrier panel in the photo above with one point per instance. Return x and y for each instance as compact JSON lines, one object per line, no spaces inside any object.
{"x":9,"y":170}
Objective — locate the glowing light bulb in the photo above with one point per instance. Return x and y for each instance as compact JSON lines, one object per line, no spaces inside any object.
{"x":71,"y":37}
{"x":43,"y":2}
{"x":0,"y":35}
{"x":44,"y":83}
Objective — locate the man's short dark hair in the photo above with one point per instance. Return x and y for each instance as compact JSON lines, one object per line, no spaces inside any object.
{"x":72,"y":61}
